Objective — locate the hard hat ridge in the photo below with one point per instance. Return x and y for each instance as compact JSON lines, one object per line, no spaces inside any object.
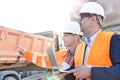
{"x":92,"y":8}
{"x":72,"y":27}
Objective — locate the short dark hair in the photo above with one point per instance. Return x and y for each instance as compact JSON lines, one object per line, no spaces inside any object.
{"x":82,"y":15}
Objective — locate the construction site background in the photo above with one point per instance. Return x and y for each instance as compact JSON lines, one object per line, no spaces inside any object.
{"x":112,"y":16}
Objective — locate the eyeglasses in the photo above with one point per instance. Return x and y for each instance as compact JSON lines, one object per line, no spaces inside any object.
{"x":83,"y":15}
{"x":70,"y":33}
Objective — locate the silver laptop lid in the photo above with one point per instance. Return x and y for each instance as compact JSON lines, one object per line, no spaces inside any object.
{"x":52,"y":58}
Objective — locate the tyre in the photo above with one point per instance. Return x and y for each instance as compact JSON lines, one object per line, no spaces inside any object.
{"x":10,"y":78}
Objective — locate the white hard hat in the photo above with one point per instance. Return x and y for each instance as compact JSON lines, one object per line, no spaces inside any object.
{"x":93,"y":8}
{"x":72,"y":27}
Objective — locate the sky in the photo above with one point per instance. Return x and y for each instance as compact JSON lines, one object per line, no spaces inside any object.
{"x":35,"y":15}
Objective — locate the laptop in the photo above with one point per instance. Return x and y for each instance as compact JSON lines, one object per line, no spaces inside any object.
{"x":52,"y":59}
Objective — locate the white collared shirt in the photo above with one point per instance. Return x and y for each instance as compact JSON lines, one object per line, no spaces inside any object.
{"x":89,"y":44}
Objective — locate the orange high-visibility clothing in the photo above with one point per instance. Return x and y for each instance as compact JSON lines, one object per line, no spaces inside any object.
{"x":37,"y":59}
{"x":99,"y":52}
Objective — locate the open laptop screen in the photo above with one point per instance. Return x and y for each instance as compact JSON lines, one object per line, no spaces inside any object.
{"x":51,"y":56}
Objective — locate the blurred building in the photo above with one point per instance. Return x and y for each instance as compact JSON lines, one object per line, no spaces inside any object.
{"x":112,"y":12}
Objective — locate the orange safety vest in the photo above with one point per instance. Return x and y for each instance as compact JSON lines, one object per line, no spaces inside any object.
{"x":60,"y":56}
{"x":99,"y":52}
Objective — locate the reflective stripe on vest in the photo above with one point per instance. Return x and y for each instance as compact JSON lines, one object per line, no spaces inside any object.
{"x":43,"y":62}
{"x":34,"y":57}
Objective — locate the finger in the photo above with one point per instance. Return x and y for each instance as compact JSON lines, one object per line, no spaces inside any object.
{"x":72,"y":70}
{"x":62,"y":75}
{"x":77,"y":74}
{"x":19,"y":47}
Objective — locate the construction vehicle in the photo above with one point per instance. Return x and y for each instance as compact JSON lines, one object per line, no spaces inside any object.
{"x":12,"y":65}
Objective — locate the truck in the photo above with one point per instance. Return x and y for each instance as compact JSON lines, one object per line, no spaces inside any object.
{"x":12,"y":65}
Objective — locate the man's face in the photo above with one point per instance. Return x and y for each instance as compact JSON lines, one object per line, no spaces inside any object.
{"x":68,"y":39}
{"x":84,"y":22}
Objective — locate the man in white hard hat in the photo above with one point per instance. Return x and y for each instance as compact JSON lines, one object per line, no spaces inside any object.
{"x":71,"y":38}
{"x":99,"y":54}
{"x":65,"y":57}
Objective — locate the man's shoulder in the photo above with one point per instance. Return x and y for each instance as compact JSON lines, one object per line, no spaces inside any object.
{"x":116,"y":36}
{"x":108,"y":32}
{"x":104,"y":35}
{"x":62,"y":50}
{"x":81,"y":45}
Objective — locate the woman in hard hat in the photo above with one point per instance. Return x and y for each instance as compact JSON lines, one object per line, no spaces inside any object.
{"x":65,"y":57}
{"x":98,"y":56}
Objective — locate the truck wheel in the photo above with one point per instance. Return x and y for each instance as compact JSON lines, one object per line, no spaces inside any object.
{"x":9,"y":78}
